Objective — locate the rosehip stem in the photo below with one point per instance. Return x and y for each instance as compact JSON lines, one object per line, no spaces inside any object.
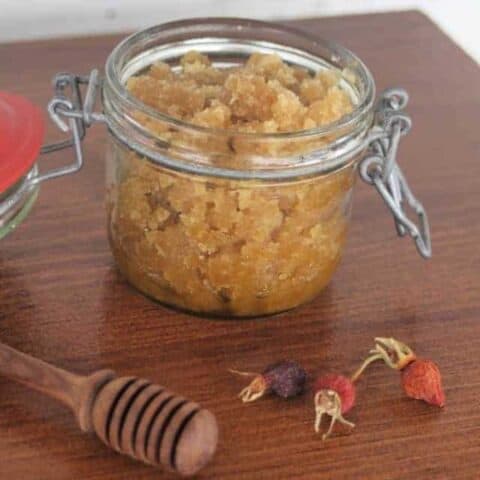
{"x":243,"y":374}
{"x":365,"y":364}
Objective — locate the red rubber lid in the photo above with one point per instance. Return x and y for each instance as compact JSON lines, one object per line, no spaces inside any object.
{"x":21,"y":134}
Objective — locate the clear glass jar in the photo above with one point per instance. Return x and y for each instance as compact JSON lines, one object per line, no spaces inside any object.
{"x":219,"y":222}
{"x":224,"y":223}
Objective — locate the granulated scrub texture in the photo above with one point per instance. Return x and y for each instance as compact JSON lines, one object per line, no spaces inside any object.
{"x":225,"y":246}
{"x":263,"y":96}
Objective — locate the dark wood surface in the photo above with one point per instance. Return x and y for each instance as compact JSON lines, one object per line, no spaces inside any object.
{"x":61,"y":298}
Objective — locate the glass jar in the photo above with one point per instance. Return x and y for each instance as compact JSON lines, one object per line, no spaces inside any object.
{"x":21,"y":134}
{"x":220,"y":222}
{"x":225,"y":223}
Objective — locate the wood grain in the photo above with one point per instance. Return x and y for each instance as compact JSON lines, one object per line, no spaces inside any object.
{"x":61,"y":298}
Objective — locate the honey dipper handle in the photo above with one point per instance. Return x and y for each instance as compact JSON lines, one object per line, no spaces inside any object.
{"x":39,"y":375}
{"x":75,"y":391}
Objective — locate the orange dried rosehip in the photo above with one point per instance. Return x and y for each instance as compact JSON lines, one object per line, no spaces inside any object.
{"x":421,"y":380}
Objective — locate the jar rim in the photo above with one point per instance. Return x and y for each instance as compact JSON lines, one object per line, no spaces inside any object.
{"x":113,"y":77}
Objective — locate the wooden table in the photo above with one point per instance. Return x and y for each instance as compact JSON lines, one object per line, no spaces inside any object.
{"x":62,"y":299}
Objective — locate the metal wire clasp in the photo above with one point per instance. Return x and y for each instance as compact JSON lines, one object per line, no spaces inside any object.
{"x":380,"y":169}
{"x":71,"y":114}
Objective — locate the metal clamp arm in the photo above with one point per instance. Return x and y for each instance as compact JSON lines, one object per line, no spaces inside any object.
{"x":71,"y":114}
{"x":380,"y":169}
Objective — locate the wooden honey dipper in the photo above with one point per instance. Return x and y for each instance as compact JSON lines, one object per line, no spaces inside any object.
{"x":129,"y":414}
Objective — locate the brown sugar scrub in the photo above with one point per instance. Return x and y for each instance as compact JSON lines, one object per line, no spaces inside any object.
{"x":263,"y":96}
{"x":227,"y":246}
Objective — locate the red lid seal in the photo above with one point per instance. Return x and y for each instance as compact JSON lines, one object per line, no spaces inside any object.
{"x":21,"y":134}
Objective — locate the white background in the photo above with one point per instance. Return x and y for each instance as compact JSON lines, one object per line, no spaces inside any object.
{"x":31,"y":19}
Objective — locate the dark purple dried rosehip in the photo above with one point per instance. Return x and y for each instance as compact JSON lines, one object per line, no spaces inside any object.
{"x":284,"y":378}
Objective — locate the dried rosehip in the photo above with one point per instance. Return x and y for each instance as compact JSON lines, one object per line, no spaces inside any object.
{"x":334,"y":396}
{"x":285,"y":378}
{"x":421,"y":380}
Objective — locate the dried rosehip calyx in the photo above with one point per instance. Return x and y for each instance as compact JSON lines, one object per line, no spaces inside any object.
{"x":285,"y":379}
{"x":395,"y":354}
{"x":334,"y":396}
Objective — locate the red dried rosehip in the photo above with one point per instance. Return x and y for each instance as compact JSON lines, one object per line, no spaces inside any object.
{"x":334,"y":395}
{"x":284,"y":378}
{"x":342,"y":385}
{"x":421,"y":380}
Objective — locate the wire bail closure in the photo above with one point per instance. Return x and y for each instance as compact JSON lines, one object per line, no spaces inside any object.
{"x":380,"y":169}
{"x":71,"y":114}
